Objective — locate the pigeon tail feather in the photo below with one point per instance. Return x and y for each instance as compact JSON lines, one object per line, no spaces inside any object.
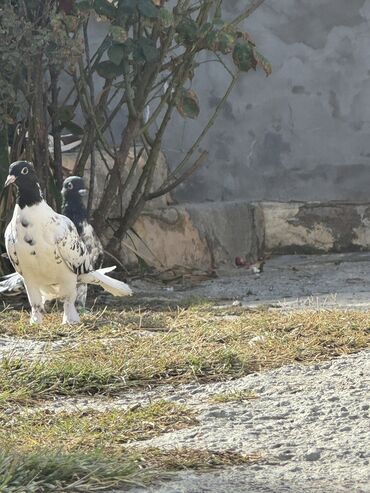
{"x":12,"y":284}
{"x":113,"y":286}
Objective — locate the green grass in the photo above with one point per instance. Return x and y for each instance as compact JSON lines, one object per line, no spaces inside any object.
{"x":83,"y":431}
{"x":196,"y":343}
{"x":47,"y":470}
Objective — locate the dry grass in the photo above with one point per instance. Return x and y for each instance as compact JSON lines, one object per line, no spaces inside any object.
{"x":47,"y":470}
{"x":92,"y":430}
{"x":234,"y":396}
{"x":140,"y":347}
{"x":178,"y":459}
{"x":89,"y":448}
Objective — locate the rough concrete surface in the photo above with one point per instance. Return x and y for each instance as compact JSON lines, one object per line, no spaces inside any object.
{"x":208,"y":235}
{"x":311,"y":425}
{"x":199,"y":235}
{"x":316,"y":227}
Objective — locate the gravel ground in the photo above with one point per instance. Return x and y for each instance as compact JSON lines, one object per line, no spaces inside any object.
{"x":289,"y":282}
{"x":18,"y":348}
{"x":310,"y":423}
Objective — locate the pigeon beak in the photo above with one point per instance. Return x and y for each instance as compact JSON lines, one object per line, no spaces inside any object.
{"x":9,"y":180}
{"x":83,"y":192}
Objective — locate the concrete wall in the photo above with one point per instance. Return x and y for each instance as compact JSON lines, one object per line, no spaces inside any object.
{"x":301,"y":134}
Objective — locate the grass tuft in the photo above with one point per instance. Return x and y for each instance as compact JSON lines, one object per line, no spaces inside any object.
{"x":234,"y":396}
{"x":46,"y":470}
{"x":87,"y":430}
{"x":185,"y":458}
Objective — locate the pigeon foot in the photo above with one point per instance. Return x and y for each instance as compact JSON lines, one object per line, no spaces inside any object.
{"x":36,"y":317}
{"x":70,"y":315}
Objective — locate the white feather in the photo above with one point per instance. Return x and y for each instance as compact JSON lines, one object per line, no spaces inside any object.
{"x":12,"y":284}
{"x":113,"y":286}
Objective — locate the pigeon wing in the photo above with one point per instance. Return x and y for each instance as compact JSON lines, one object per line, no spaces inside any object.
{"x":93,"y":245}
{"x":72,"y":250}
{"x":10,"y":247}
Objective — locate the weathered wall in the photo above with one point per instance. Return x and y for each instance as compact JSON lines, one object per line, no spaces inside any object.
{"x":301,"y":134}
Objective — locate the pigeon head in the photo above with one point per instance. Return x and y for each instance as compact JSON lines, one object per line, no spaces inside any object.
{"x":74,"y":188}
{"x":73,"y":207}
{"x":23,"y":175}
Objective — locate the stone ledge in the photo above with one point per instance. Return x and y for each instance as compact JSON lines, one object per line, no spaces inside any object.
{"x":198,"y":235}
{"x":210,"y":235}
{"x":316,"y":227}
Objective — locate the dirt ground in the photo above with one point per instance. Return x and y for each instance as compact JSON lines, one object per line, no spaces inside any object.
{"x":289,"y":282}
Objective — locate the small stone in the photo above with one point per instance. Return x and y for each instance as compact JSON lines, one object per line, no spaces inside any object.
{"x":313,"y":455}
{"x":237,"y":303}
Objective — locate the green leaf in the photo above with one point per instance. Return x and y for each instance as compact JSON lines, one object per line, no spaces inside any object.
{"x":225,"y":42}
{"x":66,"y":113}
{"x":188,"y":104}
{"x":84,"y":6}
{"x":116,"y":53}
{"x":218,"y":14}
{"x":243,"y":56}
{"x":148,"y":50}
{"x":188,"y":31}
{"x":206,"y":28}
{"x":103,"y":7}
{"x":108,"y":70}
{"x":118,"y":33}
{"x":127,"y":7}
{"x":147,"y":9}
{"x":166,"y":17}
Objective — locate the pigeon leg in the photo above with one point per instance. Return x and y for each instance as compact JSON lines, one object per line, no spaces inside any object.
{"x":81,"y":296}
{"x":70,"y":315}
{"x":35,"y":300}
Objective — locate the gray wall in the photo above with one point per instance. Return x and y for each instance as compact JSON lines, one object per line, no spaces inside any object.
{"x":304,"y":132}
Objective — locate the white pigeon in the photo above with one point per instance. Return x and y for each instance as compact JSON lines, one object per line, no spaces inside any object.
{"x":46,"y":249}
{"x":73,"y":191}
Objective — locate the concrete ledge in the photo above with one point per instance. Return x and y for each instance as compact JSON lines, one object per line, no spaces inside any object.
{"x":298,"y":227}
{"x":198,"y":235}
{"x":212,"y":234}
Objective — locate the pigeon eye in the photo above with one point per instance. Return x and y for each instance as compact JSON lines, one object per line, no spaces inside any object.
{"x":69,"y":186}
{"x":24,"y":171}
